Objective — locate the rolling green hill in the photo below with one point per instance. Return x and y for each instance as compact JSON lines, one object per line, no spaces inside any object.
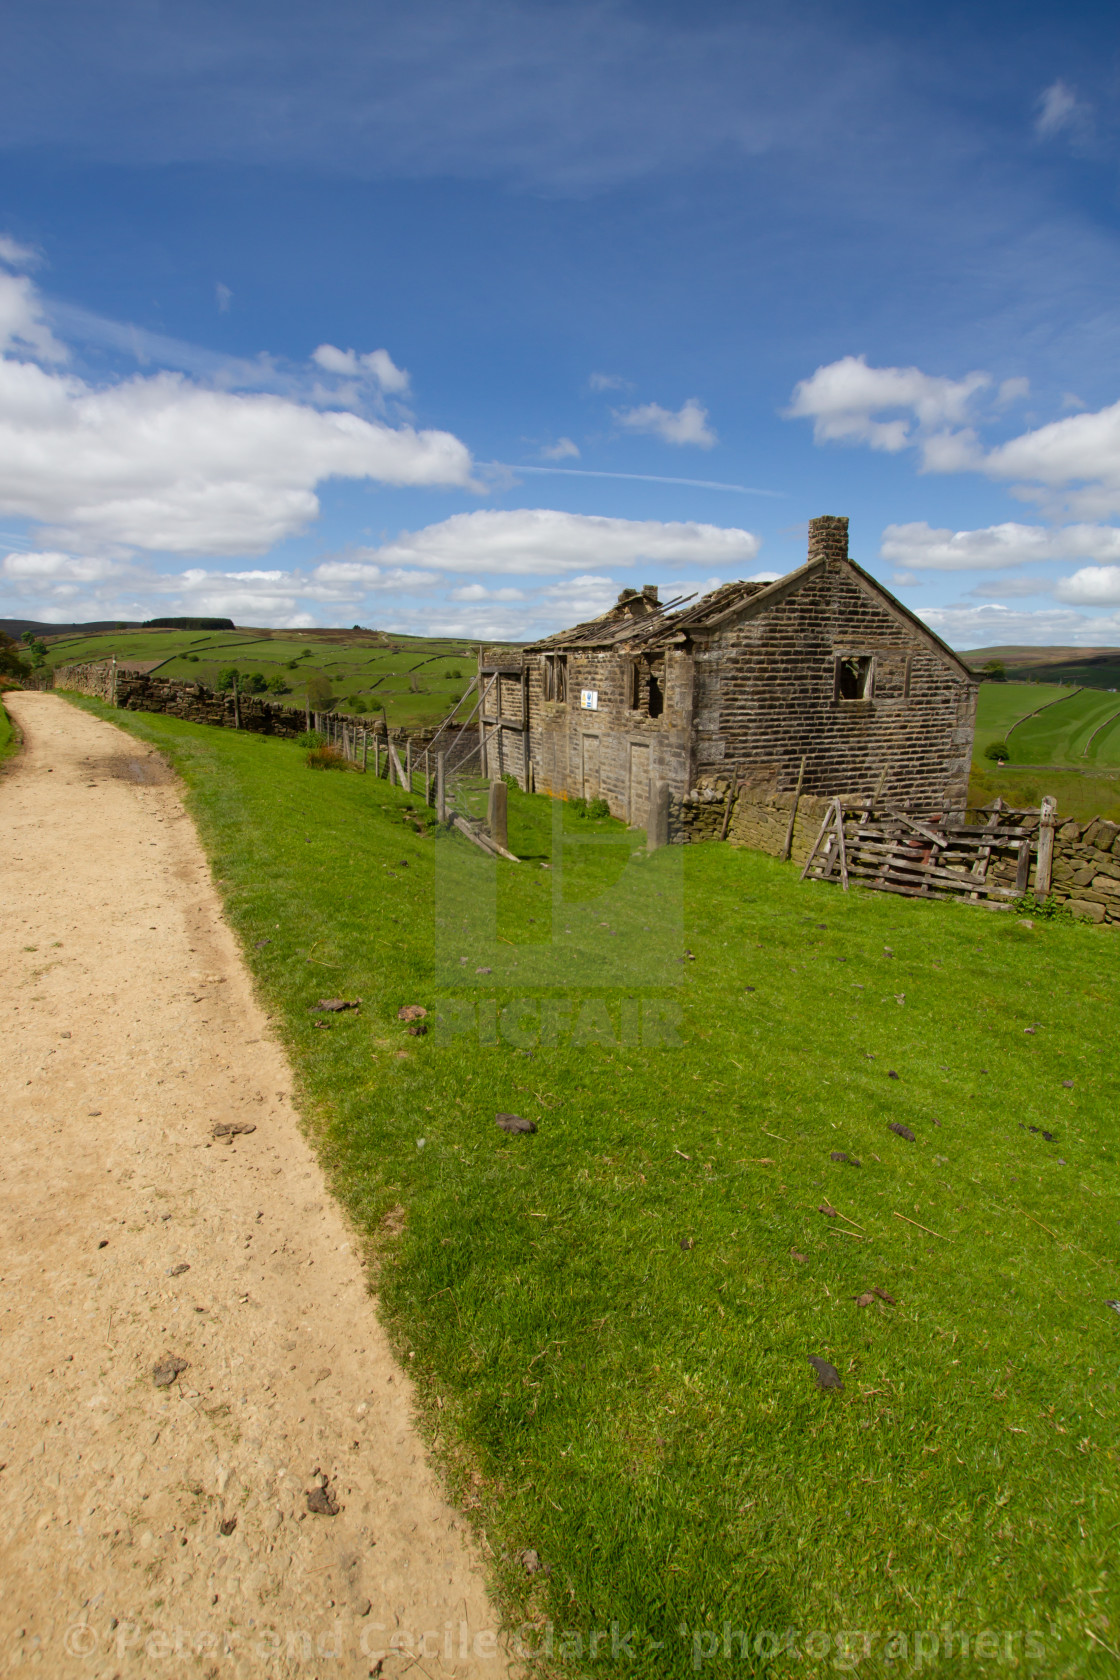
{"x":1064,"y":741}
{"x":410,"y":680}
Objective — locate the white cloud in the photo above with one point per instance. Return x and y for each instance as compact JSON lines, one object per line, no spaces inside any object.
{"x":562,"y":450}
{"x":479,"y":592}
{"x":608,"y":382}
{"x":1092,"y":586}
{"x":1012,"y":391}
{"x":1070,"y":467}
{"x":223,"y":297}
{"x":160,"y":463}
{"x":921,"y":546}
{"x":17,"y":255}
{"x":689,"y":424}
{"x":544,"y":542}
{"x":567,"y":558}
{"x":1082,"y":450}
{"x":23,"y":329}
{"x":376,"y":365}
{"x":1060,"y":109}
{"x":995,"y":626}
{"x":1011,"y":588}
{"x":888,"y":408}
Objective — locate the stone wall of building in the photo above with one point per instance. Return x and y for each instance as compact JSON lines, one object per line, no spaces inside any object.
{"x":766,"y":692}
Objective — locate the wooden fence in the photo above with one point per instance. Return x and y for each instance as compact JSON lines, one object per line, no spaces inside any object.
{"x":986,"y":855}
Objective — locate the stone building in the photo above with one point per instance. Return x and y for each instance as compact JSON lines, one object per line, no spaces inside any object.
{"x":823,"y":665}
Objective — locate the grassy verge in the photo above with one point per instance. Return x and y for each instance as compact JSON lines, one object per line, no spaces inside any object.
{"x":609,"y":1321}
{"x":9,"y":735}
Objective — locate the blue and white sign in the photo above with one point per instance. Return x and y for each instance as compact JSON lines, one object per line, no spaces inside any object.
{"x":589,"y":699}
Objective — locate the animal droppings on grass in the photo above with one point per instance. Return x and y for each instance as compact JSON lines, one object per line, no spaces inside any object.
{"x":839,"y":1155}
{"x":1068,"y":1084}
{"x":334,"y":1006}
{"x":891,"y":1074}
{"x":482,"y":971}
{"x":686,"y":1243}
{"x":1115,"y":1305}
{"x":514,"y":1123}
{"x":411,"y":1012}
{"x":261,"y":942}
{"x":883,"y":1296}
{"x":827,"y":1375}
{"x":802,"y":1259}
{"x":901,"y":1131}
{"x":750,"y":988}
{"x":832,"y":1213}
{"x":865,"y":1300}
{"x":531,"y":1563}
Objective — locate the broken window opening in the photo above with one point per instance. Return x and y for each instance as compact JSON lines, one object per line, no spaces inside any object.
{"x":853,"y":676}
{"x":656,"y":696}
{"x":556,"y":676}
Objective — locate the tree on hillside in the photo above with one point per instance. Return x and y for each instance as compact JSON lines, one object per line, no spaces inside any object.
{"x":318,"y":691}
{"x":228,"y":677}
{"x":995,"y":670}
{"x":11,"y":665}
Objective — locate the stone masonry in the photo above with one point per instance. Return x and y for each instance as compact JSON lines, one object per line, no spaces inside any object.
{"x":822,"y":665}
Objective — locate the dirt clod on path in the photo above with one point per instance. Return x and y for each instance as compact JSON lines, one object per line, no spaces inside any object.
{"x":149,"y":1528}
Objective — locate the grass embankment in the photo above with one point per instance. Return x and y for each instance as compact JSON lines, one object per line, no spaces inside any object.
{"x":9,"y":738}
{"x":609,"y":1322}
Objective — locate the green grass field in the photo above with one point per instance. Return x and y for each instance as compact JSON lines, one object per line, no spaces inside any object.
{"x":1070,"y":749}
{"x":411,"y":681}
{"x":609,"y":1322}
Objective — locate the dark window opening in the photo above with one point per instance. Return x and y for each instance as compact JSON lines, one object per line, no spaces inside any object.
{"x":656,"y":698}
{"x":635,"y":685}
{"x":556,"y":676}
{"x":853,"y":677}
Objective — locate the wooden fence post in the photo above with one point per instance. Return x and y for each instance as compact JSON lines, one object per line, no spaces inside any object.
{"x":787,"y":848}
{"x":307,"y":715}
{"x":496,"y":813}
{"x":1044,"y":867}
{"x":408,"y":764}
{"x":441,"y":788}
{"x":236,"y":706}
{"x":365,"y":750}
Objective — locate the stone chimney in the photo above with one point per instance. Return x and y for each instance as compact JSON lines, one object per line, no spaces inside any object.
{"x":828,"y":538}
{"x":649,"y":593}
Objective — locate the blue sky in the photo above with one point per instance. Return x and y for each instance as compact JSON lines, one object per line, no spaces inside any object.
{"x":461,"y":316}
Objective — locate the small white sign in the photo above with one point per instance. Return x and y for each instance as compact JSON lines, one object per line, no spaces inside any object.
{"x":589,"y":699}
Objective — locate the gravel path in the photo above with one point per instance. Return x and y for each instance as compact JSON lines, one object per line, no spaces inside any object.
{"x":146,"y":1529}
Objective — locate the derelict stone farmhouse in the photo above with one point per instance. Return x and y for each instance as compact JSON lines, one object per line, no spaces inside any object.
{"x":823,"y":665}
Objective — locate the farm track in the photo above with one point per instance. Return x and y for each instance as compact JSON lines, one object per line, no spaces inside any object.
{"x":130,"y":1234}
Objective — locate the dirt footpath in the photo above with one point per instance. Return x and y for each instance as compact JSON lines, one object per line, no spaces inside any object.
{"x":146,"y":1529}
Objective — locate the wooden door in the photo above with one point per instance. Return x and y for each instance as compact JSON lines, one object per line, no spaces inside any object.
{"x":589,"y":766}
{"x":639,"y":784}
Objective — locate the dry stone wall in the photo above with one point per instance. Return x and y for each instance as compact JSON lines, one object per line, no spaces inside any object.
{"x":1086,"y":873}
{"x":140,"y":691}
